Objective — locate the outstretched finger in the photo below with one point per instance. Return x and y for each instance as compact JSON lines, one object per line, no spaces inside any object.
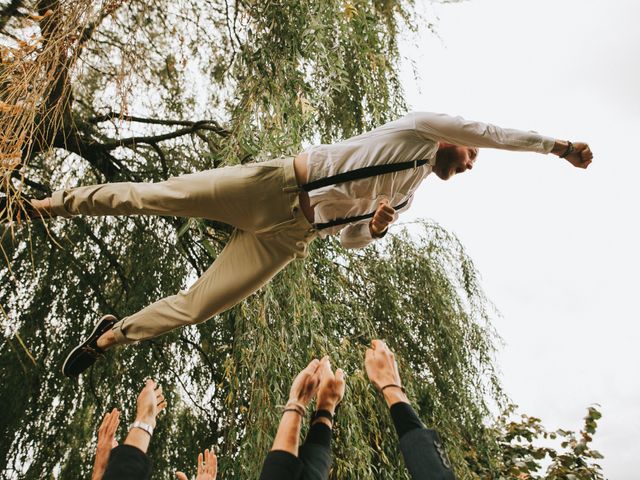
{"x":114,"y":421}
{"x":313,"y":365}
{"x":181,"y":476}
{"x":205,"y":465}
{"x":105,"y":422}
{"x":210,"y":462}
{"x":369,"y":356}
{"x":340,"y":375}
{"x":325,"y":368}
{"x":200,"y":465}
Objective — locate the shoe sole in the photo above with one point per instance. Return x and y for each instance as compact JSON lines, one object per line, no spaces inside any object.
{"x":88,"y":339}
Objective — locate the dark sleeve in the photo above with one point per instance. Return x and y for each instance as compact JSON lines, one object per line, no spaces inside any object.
{"x":281,"y":465}
{"x":315,"y":453}
{"x":404,"y":418}
{"x":421,"y":447}
{"x":127,"y":462}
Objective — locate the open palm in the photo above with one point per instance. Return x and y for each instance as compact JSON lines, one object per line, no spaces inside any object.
{"x":207,"y":467}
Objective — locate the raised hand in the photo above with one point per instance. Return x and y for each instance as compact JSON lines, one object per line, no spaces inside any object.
{"x":382,"y":369}
{"x":331,"y":389}
{"x":207,"y":467}
{"x":106,"y":442}
{"x":150,"y":402}
{"x":305,"y":385}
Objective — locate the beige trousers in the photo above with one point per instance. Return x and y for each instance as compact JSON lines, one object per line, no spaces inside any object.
{"x":260,"y":200}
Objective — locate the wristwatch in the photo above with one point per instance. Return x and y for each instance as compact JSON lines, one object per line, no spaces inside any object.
{"x":143,"y":426}
{"x":570,"y":149}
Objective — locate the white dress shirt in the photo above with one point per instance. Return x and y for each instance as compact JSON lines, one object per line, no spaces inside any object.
{"x":412,"y":137}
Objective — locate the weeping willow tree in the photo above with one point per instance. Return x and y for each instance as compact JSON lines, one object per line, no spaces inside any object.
{"x":112,"y":91}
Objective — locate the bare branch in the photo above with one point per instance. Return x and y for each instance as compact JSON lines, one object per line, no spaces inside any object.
{"x":155,"y":121}
{"x":132,"y":141}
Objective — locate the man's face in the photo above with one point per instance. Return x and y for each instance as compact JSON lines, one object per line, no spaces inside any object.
{"x":453,"y":159}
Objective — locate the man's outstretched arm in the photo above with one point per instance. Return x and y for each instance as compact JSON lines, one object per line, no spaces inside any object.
{"x":468,"y":133}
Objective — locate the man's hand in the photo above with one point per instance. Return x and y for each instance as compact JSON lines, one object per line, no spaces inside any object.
{"x":207,"y":467}
{"x":331,"y":388}
{"x":384,"y":215}
{"x":581,"y":156}
{"x":305,"y":385}
{"x":106,"y":442}
{"x":150,"y":402}
{"x":382,"y":370}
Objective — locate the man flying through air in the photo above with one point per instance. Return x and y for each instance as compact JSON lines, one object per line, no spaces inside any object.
{"x":354,"y":188}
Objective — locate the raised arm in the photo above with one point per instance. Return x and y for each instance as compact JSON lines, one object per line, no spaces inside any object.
{"x":282,"y":462}
{"x":421,"y":448}
{"x":315,"y":453}
{"x":130,"y":461}
{"x":459,"y":131}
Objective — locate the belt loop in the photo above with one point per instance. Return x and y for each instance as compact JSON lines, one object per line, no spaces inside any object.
{"x":291,"y":189}
{"x":415,"y":164}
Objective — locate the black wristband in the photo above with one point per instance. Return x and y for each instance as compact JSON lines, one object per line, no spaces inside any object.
{"x":570,"y":149}
{"x":321,"y":414}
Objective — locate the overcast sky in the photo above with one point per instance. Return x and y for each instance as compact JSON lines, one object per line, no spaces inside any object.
{"x":557,"y":247}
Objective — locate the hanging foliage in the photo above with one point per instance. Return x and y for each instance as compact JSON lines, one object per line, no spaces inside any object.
{"x":108,"y":91}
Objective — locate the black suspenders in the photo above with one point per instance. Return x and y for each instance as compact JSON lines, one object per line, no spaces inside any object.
{"x":357,"y":174}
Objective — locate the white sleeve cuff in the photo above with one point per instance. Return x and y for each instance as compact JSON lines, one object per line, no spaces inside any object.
{"x":356,"y":235}
{"x":547,"y":144}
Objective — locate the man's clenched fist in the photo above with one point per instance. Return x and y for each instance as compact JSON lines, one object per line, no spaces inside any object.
{"x":385,"y":214}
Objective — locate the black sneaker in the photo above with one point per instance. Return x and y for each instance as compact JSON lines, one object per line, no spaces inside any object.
{"x":86,"y":354}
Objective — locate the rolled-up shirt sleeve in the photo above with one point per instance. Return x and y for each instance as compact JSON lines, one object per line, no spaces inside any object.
{"x":458,"y":131}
